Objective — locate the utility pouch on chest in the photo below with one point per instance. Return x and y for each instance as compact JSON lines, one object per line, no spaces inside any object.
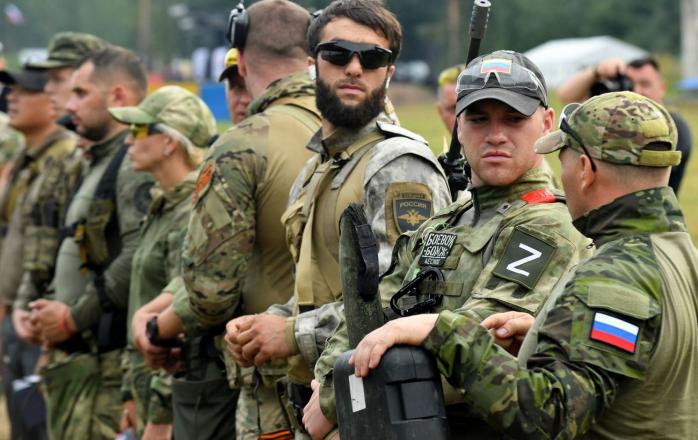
{"x":294,"y":221}
{"x":99,"y":216}
{"x":40,"y":248}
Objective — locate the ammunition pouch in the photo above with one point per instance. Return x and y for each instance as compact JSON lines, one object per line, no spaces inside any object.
{"x":101,"y":213}
{"x":40,"y":250}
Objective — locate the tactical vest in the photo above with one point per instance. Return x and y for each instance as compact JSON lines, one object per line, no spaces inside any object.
{"x":313,"y":240}
{"x":45,"y":215}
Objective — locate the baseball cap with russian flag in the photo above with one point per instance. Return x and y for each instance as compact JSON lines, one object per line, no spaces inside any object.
{"x":503,"y":75}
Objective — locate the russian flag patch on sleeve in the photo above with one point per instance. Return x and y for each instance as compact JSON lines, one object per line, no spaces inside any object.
{"x":615,"y":332}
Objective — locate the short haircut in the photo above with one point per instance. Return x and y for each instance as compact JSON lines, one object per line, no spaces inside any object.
{"x":277,"y":30}
{"x":370,"y":13}
{"x":642,"y":62}
{"x":113,"y":64}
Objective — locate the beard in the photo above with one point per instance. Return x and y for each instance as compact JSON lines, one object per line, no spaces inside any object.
{"x":94,"y":134}
{"x":348,"y":116}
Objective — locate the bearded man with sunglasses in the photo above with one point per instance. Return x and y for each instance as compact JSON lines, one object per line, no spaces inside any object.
{"x":360,"y":158}
{"x":501,"y":249}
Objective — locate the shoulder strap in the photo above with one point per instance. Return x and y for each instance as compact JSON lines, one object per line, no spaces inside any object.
{"x":106,"y":188}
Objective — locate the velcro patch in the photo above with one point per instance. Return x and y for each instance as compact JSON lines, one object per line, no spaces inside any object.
{"x":410,"y":210}
{"x":501,"y":65}
{"x":613,"y":331}
{"x":202,"y":182}
{"x":524,"y":259}
{"x":437,"y":247}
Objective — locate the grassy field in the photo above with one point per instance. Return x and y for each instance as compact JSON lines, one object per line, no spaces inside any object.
{"x":422,"y":118}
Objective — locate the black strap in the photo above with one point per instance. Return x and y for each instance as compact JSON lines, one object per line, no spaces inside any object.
{"x":368,"y":246}
{"x":106,"y":188}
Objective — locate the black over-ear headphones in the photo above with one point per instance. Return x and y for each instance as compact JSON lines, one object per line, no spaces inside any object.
{"x":238,"y":26}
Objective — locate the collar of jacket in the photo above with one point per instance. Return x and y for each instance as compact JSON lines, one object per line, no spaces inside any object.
{"x":291,"y":86}
{"x":648,"y":211}
{"x":100,"y":150}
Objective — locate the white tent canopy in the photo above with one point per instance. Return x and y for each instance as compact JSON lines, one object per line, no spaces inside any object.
{"x":560,"y":59}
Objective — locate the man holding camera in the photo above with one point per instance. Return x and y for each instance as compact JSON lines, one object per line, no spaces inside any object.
{"x":642,"y":76}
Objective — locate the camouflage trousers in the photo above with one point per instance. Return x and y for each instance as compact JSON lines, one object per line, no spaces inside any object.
{"x":152,"y":393}
{"x":259,"y":409}
{"x":83,"y":395}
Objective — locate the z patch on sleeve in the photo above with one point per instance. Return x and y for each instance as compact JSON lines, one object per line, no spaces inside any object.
{"x":524,"y":259}
{"x":411,"y":205}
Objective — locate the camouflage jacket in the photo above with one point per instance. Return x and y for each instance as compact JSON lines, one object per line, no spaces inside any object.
{"x":156,"y":262}
{"x":25,"y":176}
{"x":611,"y":354}
{"x":234,"y":259}
{"x":484,"y":246}
{"x":11,"y":141}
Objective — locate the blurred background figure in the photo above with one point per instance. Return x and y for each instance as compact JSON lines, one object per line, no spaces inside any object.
{"x":236,"y":94}
{"x":641,"y":76}
{"x":446,"y":95}
{"x":3,"y":89}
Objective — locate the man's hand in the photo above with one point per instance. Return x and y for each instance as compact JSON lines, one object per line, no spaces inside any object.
{"x":128,"y":416}
{"x":232,"y":340}
{"x":53,"y":320}
{"x":509,"y":329}
{"x":155,"y":357}
{"x":610,"y":68}
{"x":412,"y":330}
{"x":25,"y":330}
{"x":157,"y":432}
{"x":314,"y":420}
{"x":263,"y":337}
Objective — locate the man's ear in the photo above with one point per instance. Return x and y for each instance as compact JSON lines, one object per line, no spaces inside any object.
{"x":587,"y":176}
{"x":548,"y":120}
{"x":391,"y":71}
{"x":118,"y":96}
{"x":242,"y":65}
{"x":312,"y":69}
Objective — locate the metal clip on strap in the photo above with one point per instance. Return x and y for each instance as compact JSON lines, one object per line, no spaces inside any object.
{"x":412,"y":288}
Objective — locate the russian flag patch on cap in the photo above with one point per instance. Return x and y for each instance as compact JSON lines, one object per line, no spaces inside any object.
{"x":613,"y":331}
{"x":501,"y":65}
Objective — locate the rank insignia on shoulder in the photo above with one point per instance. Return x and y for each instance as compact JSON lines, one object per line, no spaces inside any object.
{"x":524,"y":259}
{"x":202,"y":182}
{"x":410,"y":212}
{"x":437,"y":247}
{"x":614,"y":331}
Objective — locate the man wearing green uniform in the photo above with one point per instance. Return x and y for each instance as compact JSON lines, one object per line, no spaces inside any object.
{"x":504,"y":247}
{"x":611,"y":355}
{"x":360,"y":157}
{"x":234,"y":259}
{"x":86,"y":321}
{"x":31,"y":114}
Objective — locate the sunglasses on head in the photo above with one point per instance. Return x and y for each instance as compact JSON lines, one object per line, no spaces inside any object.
{"x":565,"y":127}
{"x":339,"y":53}
{"x":142,"y":131}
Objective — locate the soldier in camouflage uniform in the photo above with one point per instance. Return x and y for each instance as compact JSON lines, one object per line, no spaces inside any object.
{"x":234,"y":259}
{"x":505,"y":246}
{"x":45,"y":212}
{"x":360,"y":157}
{"x":30,"y":113}
{"x":611,"y":353}
{"x":85,"y":323}
{"x":169,"y":131}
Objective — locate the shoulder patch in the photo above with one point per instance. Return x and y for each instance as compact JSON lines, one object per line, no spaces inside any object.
{"x":411,"y":205}
{"x":614,"y":331}
{"x":437,"y":247}
{"x":142,"y":198}
{"x":390,"y":130}
{"x":524,"y":259}
{"x":203,"y":182}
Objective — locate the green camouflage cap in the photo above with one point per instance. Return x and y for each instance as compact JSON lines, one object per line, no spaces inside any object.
{"x":67,"y":48}
{"x":176,"y":108}
{"x":616,"y":128}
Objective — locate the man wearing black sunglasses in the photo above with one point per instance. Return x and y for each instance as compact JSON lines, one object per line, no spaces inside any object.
{"x":513,"y":237}
{"x":360,"y":158}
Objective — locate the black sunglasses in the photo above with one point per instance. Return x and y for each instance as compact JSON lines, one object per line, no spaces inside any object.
{"x":565,"y":127}
{"x":339,"y":53}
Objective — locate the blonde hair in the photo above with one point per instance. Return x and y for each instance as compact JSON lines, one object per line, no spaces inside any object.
{"x":195,"y":153}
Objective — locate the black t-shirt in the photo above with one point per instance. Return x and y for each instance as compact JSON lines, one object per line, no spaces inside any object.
{"x":684,"y":146}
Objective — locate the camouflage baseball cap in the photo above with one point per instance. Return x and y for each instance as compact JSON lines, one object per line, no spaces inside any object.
{"x":67,"y":48}
{"x":176,"y":108}
{"x":231,"y":65}
{"x":617,"y":128}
